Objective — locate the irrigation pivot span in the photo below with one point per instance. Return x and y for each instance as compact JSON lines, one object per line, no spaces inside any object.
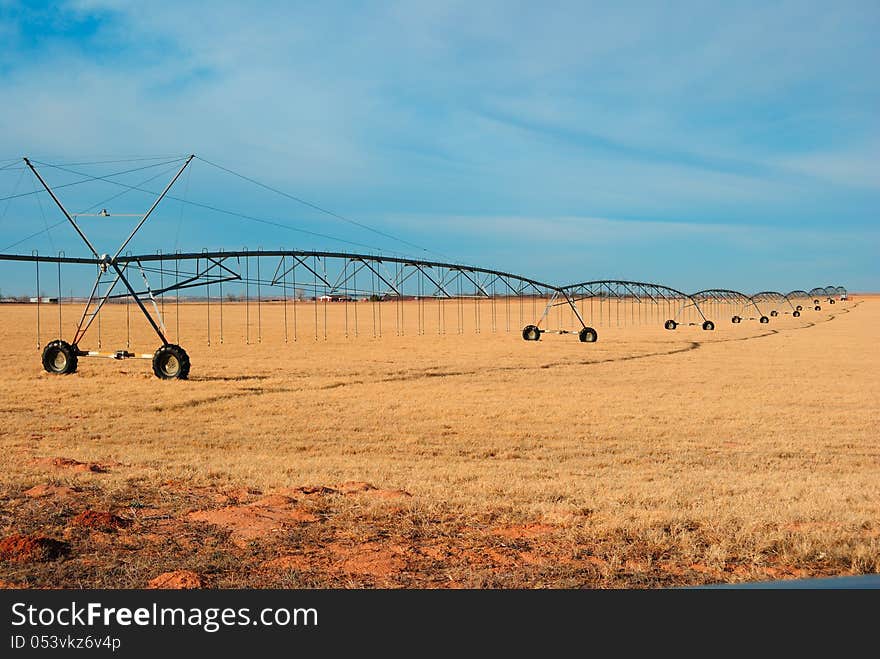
{"x":497,"y":300}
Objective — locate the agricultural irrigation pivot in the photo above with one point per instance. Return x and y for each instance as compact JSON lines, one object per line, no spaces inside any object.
{"x":170,"y":361}
{"x":440,"y":296}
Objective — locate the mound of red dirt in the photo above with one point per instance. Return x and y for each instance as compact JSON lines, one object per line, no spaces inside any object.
{"x":29,"y":549}
{"x":354,"y":487}
{"x":176,"y":580}
{"x":256,"y":520}
{"x":72,"y":465}
{"x":100,"y":521}
{"x":60,"y":491}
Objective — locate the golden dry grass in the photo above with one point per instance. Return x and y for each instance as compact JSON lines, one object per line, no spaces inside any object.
{"x":649,"y":458}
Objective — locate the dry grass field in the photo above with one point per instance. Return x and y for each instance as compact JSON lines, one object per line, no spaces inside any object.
{"x":649,"y":459}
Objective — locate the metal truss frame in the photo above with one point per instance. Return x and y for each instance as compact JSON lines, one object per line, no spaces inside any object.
{"x":739,"y":300}
{"x":776,"y":300}
{"x":636,"y":291}
{"x":119,"y":266}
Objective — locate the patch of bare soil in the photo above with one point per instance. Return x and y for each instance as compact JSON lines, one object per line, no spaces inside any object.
{"x":371,"y":559}
{"x":56,"y":491}
{"x":18,"y":548}
{"x":72,"y":465}
{"x":256,"y":520}
{"x":100,"y":521}
{"x":377,"y":560}
{"x":176,"y":580}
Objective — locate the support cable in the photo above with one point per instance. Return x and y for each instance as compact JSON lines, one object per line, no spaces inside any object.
{"x":320,"y":209}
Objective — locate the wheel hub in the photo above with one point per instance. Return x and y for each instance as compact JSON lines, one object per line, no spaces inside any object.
{"x":59,"y":361}
{"x":171,"y":365}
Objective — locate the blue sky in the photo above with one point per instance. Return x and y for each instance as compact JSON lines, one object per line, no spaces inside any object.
{"x":694,"y":144}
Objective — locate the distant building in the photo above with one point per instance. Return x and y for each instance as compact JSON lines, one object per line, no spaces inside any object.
{"x":44,"y":300}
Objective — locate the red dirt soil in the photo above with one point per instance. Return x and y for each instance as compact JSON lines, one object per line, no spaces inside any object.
{"x":372,"y":559}
{"x":369,"y":559}
{"x":59,"y":491}
{"x":256,"y":520}
{"x":101,"y":521}
{"x":28,"y":548}
{"x":71,"y":464}
{"x":176,"y":580}
{"x":319,"y":536}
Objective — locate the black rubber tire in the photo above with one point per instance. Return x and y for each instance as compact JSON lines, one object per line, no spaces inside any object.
{"x":816,"y":302}
{"x":60,"y":358}
{"x":170,"y":362}
{"x":588,"y":335}
{"x":798,"y":308}
{"x":774,"y":313}
{"x":670,"y":325}
{"x":817,"y":308}
{"x":708,"y":325}
{"x":763,"y":320}
{"x":531,"y":333}
{"x":796,"y":314}
{"x":735,"y":320}
{"x":830,"y":301}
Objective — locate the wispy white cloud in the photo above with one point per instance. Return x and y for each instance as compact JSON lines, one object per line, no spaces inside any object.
{"x":858,"y":167}
{"x":635,"y":74}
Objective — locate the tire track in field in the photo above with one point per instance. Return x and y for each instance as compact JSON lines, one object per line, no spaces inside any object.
{"x":691,"y":346}
{"x":694,"y":345}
